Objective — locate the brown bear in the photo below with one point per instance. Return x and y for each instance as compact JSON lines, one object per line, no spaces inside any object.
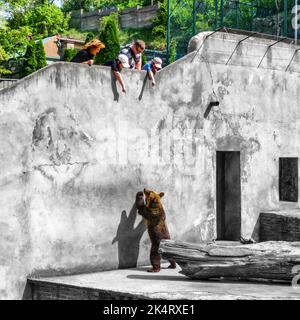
{"x":153,"y":213}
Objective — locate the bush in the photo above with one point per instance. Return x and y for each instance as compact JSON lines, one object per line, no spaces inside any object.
{"x":144,"y":58}
{"x":30,"y":63}
{"x":3,"y":57}
{"x":109,"y":35}
{"x":89,"y":37}
{"x":40,"y":55}
{"x":69,"y":54}
{"x":173,"y":54}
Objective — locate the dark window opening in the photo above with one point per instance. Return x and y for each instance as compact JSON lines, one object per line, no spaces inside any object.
{"x":288,"y":179}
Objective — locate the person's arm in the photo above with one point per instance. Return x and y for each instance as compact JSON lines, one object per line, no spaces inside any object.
{"x":138,"y":65}
{"x":120,"y":79}
{"x":89,"y":62}
{"x":151,"y":77}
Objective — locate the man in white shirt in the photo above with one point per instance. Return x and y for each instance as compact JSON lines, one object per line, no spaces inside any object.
{"x":134,"y":53}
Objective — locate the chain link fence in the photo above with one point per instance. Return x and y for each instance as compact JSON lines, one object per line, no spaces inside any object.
{"x":189,"y":17}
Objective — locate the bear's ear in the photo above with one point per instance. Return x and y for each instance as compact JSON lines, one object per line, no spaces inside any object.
{"x":146,"y":191}
{"x":161,"y":194}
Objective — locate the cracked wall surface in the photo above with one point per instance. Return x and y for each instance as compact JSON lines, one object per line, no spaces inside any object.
{"x":74,"y":152}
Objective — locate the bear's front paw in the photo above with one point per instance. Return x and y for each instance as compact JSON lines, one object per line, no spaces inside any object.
{"x":139,"y":199}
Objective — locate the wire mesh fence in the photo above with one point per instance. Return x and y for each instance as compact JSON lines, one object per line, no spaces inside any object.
{"x":189,"y":17}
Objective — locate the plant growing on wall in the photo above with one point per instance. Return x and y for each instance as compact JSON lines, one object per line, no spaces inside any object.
{"x":40,"y":55}
{"x":109,"y":35}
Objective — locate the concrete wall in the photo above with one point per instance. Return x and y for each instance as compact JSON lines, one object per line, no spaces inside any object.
{"x":4,"y":83}
{"x":73,"y":155}
{"x":137,"y":17}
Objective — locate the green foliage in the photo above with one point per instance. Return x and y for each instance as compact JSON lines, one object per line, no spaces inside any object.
{"x":40,"y":55}
{"x":69,"y":54}
{"x":144,"y":59}
{"x":41,"y":17}
{"x":30,"y":63}
{"x":74,"y":34}
{"x":3,"y":57}
{"x":152,"y":41}
{"x":109,"y":35}
{"x":275,"y":5}
{"x":89,"y":37}
{"x":160,"y":22}
{"x":15,"y":41}
{"x":173,"y":54}
{"x":88,"y":5}
{"x":46,"y":20}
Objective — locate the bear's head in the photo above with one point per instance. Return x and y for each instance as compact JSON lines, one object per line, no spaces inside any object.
{"x":153,"y":199}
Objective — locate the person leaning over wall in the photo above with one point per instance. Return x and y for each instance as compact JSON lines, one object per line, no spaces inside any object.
{"x":116,"y":66}
{"x":134,"y":53}
{"x":87,"y":54}
{"x":152,"y":67}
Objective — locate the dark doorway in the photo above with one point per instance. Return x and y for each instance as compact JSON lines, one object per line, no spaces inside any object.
{"x":228,"y":195}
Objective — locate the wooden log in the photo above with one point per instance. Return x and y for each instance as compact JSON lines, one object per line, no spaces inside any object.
{"x":271,"y":260}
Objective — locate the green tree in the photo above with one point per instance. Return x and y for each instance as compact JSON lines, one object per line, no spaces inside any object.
{"x":46,"y":20}
{"x":43,"y":17}
{"x":87,"y":5}
{"x":144,"y":58}
{"x":69,"y":54}
{"x":15,"y":41}
{"x":3,"y":58}
{"x":109,"y":35}
{"x":160,"y":22}
{"x":30,"y":63}
{"x":173,"y":54}
{"x":40,"y":55}
{"x":89,"y":37}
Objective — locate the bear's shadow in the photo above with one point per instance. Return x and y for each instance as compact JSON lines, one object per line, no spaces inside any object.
{"x":128,"y":238}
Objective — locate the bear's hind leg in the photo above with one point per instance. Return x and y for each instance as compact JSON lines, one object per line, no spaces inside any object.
{"x":154,"y":258}
{"x":172,"y":264}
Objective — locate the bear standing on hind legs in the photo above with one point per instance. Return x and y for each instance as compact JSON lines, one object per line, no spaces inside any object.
{"x":154,"y":214}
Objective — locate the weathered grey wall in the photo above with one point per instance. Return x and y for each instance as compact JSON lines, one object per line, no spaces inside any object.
{"x":137,"y":17}
{"x":73,"y":156}
{"x":4,"y":83}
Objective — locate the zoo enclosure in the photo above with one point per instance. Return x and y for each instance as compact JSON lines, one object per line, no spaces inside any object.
{"x":185,"y":18}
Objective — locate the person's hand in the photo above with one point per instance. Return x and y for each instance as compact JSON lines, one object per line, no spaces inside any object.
{"x":124,"y":89}
{"x":153,"y":83}
{"x":90,"y":62}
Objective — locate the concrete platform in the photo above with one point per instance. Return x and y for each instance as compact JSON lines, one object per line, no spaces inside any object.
{"x":168,"y":284}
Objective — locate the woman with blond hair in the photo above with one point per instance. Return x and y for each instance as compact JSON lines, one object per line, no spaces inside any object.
{"x":87,"y":54}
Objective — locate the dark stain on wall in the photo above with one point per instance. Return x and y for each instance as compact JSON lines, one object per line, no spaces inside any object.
{"x":128,"y":238}
{"x":38,"y":130}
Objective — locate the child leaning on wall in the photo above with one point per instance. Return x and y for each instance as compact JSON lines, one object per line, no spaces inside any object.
{"x":116,"y":66}
{"x":152,"y":67}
